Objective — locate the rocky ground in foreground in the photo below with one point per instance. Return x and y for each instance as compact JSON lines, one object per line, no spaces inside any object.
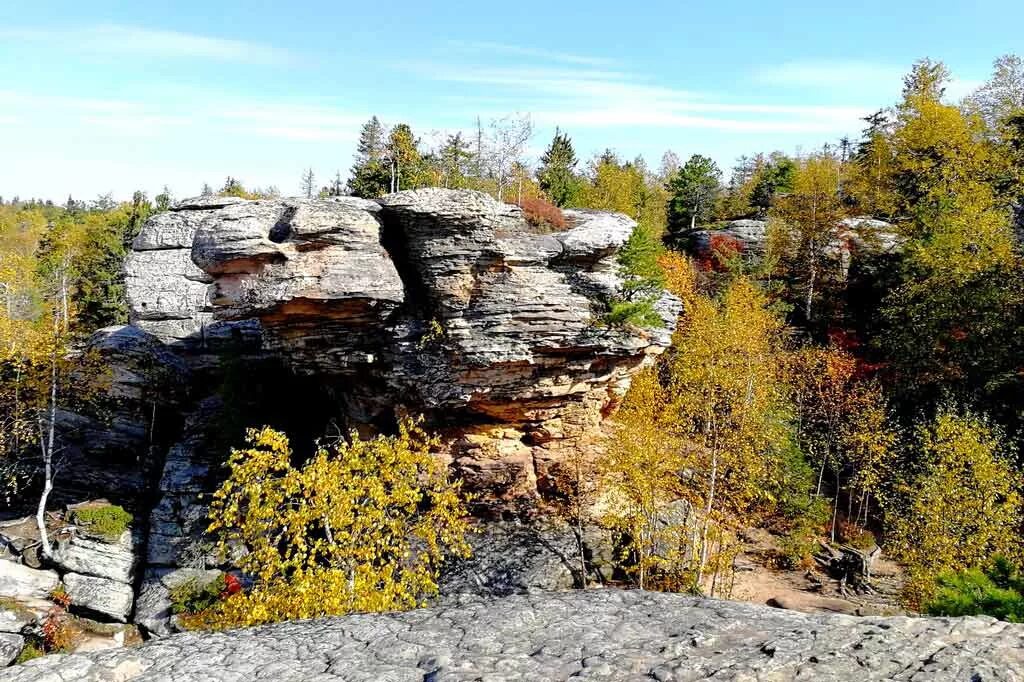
{"x":598,"y":634}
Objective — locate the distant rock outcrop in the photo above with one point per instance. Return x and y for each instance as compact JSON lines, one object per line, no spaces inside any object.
{"x":854,"y":238}
{"x":593,"y":634}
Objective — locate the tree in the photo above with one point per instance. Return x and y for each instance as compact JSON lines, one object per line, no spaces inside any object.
{"x":693,"y":190}
{"x":308,"y":183}
{"x":508,"y":138}
{"x":962,"y":508}
{"x":642,"y":475}
{"x":616,"y":186}
{"x":642,"y":282}
{"x":1001,"y":96}
{"x":164,"y":199}
{"x":669,"y":166}
{"x":454,"y":160}
{"x":771,"y":179}
{"x":370,"y":175}
{"x":362,"y":526}
{"x":843,"y":427}
{"x":405,"y":165}
{"x":729,"y":400}
{"x":809,"y":216}
{"x":556,"y":175}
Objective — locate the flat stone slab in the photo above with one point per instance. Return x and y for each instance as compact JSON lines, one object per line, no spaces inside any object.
{"x":99,"y":595}
{"x":103,"y":559}
{"x":10,"y":646}
{"x":21,"y":582}
{"x":597,"y":634}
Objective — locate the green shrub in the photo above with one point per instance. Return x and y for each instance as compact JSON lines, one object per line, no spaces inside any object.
{"x":192,"y":596}
{"x":29,"y":652}
{"x":107,"y":521}
{"x":632,"y":314}
{"x":997,"y":591}
{"x":643,"y":280}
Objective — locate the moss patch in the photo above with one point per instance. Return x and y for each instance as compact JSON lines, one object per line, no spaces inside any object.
{"x":109,"y":521}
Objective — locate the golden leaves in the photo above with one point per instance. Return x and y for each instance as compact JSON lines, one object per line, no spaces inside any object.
{"x":361,"y":526}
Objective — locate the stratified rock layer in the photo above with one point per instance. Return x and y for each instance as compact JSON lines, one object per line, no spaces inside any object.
{"x":597,"y":634}
{"x":436,"y":302}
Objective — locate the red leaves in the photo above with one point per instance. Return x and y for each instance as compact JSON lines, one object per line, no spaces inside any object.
{"x":542,"y":214}
{"x":722,"y":248}
{"x":232,"y":585}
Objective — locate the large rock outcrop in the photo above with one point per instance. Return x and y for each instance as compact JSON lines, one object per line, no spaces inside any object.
{"x":596,"y":634}
{"x":436,"y":302}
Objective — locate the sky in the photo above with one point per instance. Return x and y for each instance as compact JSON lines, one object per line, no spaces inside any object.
{"x":102,"y":97}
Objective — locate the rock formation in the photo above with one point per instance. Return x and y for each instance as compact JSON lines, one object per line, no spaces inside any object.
{"x":602,"y":634}
{"x":436,"y":302}
{"x":855,"y":238}
{"x":319,"y":316}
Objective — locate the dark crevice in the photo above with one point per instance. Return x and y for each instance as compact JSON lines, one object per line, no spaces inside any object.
{"x":396,"y":243}
{"x":282,"y":229}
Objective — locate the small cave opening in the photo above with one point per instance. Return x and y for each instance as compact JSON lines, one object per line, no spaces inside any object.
{"x":282,"y":229}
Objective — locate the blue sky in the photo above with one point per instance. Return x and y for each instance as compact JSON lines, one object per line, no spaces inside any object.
{"x":102,"y":96}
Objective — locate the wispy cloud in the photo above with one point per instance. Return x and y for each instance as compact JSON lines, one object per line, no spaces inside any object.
{"x":529,"y":52}
{"x":209,"y":113}
{"x":119,"y":39}
{"x":590,"y":97}
{"x":837,"y":75}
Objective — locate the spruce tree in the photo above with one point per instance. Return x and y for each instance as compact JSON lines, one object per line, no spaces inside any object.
{"x":370,"y":175}
{"x":557,"y":175}
{"x":693,"y":191}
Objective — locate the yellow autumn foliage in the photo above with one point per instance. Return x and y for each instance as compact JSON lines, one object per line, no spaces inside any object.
{"x":963,"y":508}
{"x":362,"y":526}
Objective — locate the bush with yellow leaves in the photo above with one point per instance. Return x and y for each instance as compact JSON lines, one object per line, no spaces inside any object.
{"x":362,"y":526}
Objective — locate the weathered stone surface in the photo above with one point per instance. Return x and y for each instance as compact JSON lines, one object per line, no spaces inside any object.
{"x":10,"y":646}
{"x":101,"y":596}
{"x":22,"y":582}
{"x":108,"y":442}
{"x":153,"y":606}
{"x":14,"y":619}
{"x":858,"y":237}
{"x":603,"y":634}
{"x":442,"y":302}
{"x":90,"y":556}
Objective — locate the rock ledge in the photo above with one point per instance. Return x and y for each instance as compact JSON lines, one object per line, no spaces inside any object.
{"x":602,"y":634}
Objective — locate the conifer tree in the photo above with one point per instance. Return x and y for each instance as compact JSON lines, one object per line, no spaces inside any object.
{"x":556,"y":175}
{"x":370,"y":173}
{"x":693,"y":190}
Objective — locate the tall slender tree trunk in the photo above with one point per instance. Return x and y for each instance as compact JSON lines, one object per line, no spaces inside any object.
{"x":812,"y":281}
{"x":47,"y":444}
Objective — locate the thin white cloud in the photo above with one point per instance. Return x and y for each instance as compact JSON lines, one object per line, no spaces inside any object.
{"x":836,"y":75}
{"x":530,"y":52}
{"x":119,"y":39}
{"x":587,"y":97}
{"x":209,"y":113}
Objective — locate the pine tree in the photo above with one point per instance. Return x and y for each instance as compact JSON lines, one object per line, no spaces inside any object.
{"x":454,"y":159}
{"x":693,"y":191}
{"x":557,"y":171}
{"x":370,"y":175}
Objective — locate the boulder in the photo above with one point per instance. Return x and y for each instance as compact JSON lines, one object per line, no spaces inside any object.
{"x":14,"y":618}
{"x":22,"y":582}
{"x":593,"y":634}
{"x":111,"y":560}
{"x":153,"y":607}
{"x":101,"y":596}
{"x":10,"y":647}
